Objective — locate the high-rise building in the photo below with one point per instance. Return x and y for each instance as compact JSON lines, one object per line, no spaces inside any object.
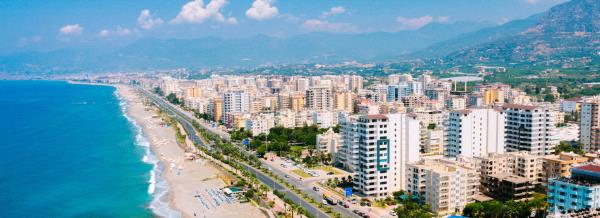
{"x":236,"y":102}
{"x":396,"y":92}
{"x":216,"y":109}
{"x":589,"y":126}
{"x":448,"y":186}
{"x":344,"y":101}
{"x":319,"y":98}
{"x":475,"y":132}
{"x":348,"y":153}
{"x":386,"y":143}
{"x":530,"y":128}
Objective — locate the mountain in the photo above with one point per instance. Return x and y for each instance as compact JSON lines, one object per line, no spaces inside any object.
{"x":564,"y":33}
{"x":152,"y":53}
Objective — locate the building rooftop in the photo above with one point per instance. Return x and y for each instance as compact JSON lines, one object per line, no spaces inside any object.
{"x":519,"y":106}
{"x":589,"y":167}
{"x":511,"y":178}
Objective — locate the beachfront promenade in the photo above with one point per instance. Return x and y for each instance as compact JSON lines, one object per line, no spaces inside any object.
{"x":186,"y":121}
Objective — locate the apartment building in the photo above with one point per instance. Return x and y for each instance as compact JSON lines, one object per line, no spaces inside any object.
{"x":589,"y":126}
{"x":319,"y":98}
{"x":448,"y":186}
{"x":329,"y":142}
{"x":556,"y":166}
{"x":530,"y":128}
{"x":579,"y":191}
{"x":475,"y":132}
{"x":386,"y":143}
{"x":236,"y":102}
{"x":520,"y":164}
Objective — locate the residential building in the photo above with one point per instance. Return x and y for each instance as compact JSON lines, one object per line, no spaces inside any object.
{"x":236,"y":102}
{"x":329,"y":142}
{"x":506,"y":187}
{"x":475,"y":132}
{"x":578,"y":192}
{"x":556,"y":166}
{"x":530,"y":128}
{"x":386,"y":143}
{"x":319,"y":98}
{"x":589,"y":126}
{"x":447,"y":186}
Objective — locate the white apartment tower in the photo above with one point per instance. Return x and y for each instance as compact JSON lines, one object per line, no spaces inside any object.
{"x":475,"y":132}
{"x":319,"y":98}
{"x":236,"y":102}
{"x":386,"y":143}
{"x":589,"y":126}
{"x":530,"y":128}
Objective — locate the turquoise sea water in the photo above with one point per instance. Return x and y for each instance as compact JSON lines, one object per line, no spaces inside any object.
{"x":68,"y":151}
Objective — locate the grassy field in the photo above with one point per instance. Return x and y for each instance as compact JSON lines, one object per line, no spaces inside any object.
{"x":300,"y":172}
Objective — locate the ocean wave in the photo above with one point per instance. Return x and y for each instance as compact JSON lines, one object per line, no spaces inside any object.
{"x":157,"y":186}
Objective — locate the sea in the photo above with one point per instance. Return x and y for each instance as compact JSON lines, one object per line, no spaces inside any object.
{"x":69,"y":150}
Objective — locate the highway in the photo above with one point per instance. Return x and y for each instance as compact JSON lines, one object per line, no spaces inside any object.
{"x":185,"y":120}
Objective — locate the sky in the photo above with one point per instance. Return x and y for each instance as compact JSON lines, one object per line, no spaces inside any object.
{"x":36,"y":25}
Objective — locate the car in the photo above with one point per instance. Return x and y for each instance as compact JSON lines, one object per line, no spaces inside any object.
{"x":355,"y":211}
{"x":330,"y":173}
{"x":325,"y":202}
{"x":315,"y":188}
{"x":360,"y":213}
{"x":365,"y":216}
{"x":393,"y":213}
{"x":286,"y":176}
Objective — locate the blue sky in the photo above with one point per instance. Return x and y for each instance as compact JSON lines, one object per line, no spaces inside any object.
{"x":46,"y":25}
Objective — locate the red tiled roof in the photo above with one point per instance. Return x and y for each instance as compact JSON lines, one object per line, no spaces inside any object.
{"x":590,"y":167}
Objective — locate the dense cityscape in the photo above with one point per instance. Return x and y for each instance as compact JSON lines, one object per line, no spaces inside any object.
{"x":451,"y":145}
{"x":312,"y":109}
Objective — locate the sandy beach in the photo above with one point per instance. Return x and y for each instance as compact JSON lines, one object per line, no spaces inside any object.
{"x":194,"y":185}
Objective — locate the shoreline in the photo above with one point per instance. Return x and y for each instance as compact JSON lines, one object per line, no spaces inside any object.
{"x":157,"y":205}
{"x":191,"y":187}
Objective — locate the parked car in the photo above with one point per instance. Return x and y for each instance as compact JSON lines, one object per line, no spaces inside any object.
{"x":355,"y":211}
{"x":315,"y":188}
{"x":330,"y":173}
{"x":325,"y":202}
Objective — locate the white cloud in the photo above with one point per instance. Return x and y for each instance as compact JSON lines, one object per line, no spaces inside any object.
{"x":146,"y":21}
{"x":232,"y":20}
{"x":333,"y":11}
{"x":104,"y":33}
{"x":196,"y":12}
{"x":262,"y":10}
{"x":405,"y":23}
{"x":71,"y":29}
{"x":442,"y":19}
{"x":120,"y":31}
{"x":326,"y":26}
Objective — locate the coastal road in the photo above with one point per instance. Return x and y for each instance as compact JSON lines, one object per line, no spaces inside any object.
{"x":186,"y":122}
{"x":306,"y":187}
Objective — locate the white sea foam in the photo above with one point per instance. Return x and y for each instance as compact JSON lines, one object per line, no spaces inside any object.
{"x":157,"y":186}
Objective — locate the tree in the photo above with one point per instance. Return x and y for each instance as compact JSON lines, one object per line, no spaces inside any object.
{"x":565,"y":146}
{"x":549,"y":98}
{"x":173,"y":99}
{"x":158,"y":91}
{"x":249,"y":194}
